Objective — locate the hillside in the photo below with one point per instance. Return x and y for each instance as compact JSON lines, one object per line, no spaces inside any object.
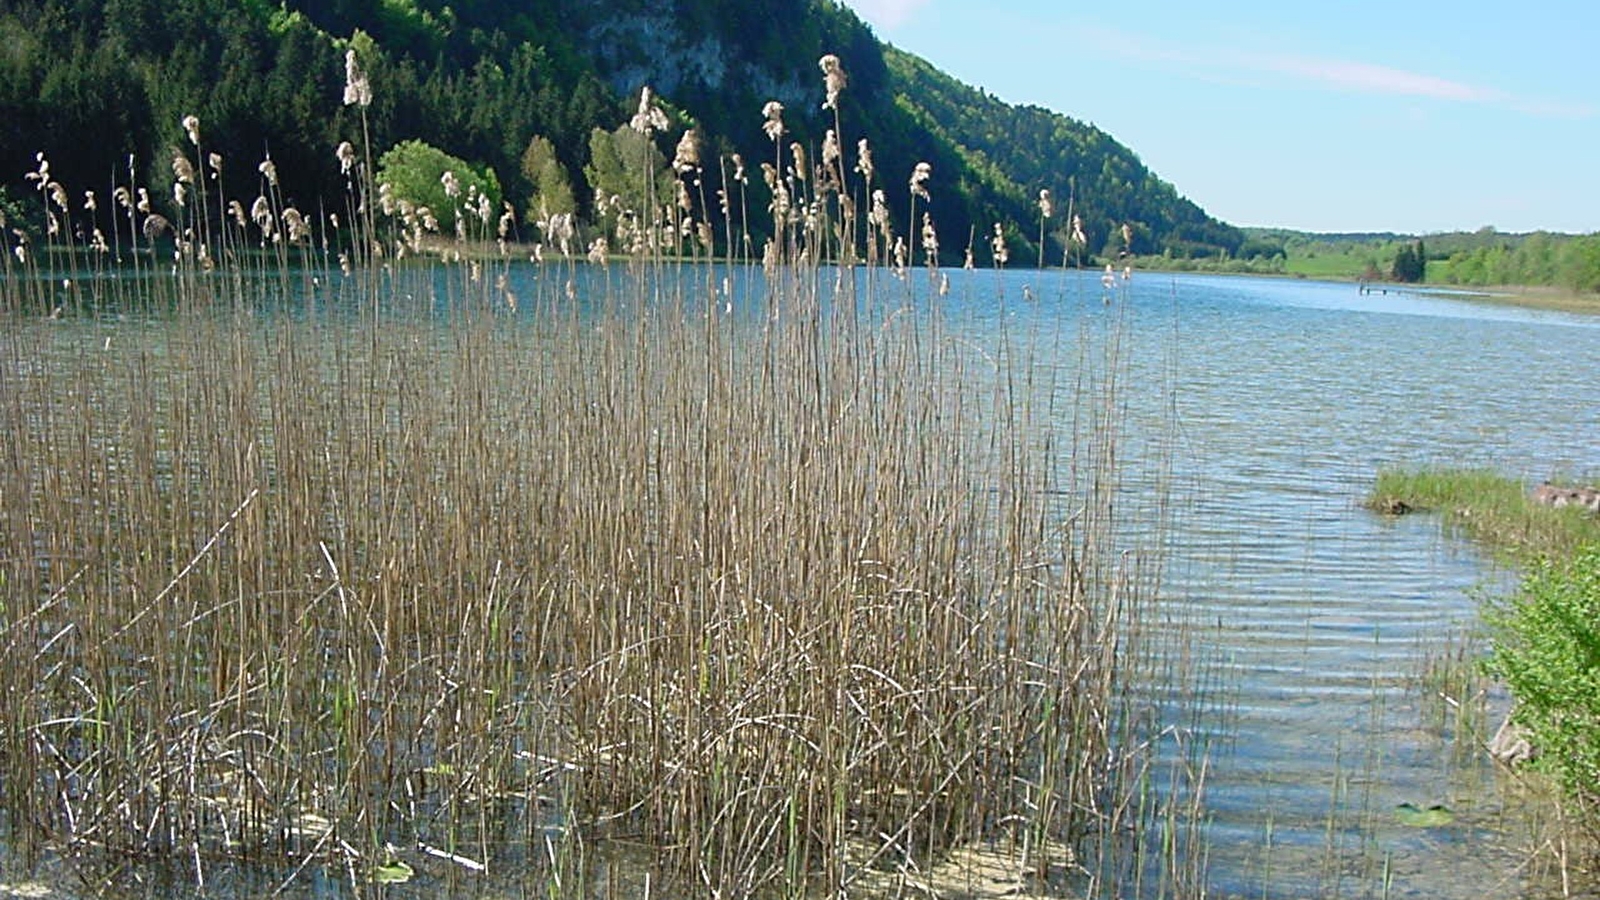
{"x":101,"y":86}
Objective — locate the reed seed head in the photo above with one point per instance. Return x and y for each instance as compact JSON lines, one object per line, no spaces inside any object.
{"x":864,"y":159}
{"x":508,"y":218}
{"x":687,"y":157}
{"x":878,"y":215}
{"x":346,"y":154}
{"x":831,"y":153}
{"x":295,"y":224}
{"x":261,"y":214}
{"x":41,"y":175}
{"x":269,"y":171}
{"x":919,"y":180}
{"x":833,"y":80}
{"x":191,"y":127}
{"x":1002,"y":254}
{"x":182,"y":169}
{"x":357,"y":90}
{"x":1047,"y":206}
{"x":773,"y":111}
{"x":156,"y":225}
{"x":649,"y":118}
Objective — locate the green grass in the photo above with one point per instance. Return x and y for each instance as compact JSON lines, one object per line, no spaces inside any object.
{"x":1488,"y":507}
{"x":1330,"y":266}
{"x":1542,"y":639}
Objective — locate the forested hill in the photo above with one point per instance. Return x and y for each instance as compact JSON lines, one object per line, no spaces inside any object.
{"x":101,"y":87}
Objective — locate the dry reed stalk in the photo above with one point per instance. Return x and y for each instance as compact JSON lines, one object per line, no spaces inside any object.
{"x":798,"y":592}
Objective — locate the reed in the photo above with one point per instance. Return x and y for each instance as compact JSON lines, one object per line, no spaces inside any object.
{"x":776,"y":572}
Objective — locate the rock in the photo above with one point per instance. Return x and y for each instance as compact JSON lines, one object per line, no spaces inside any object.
{"x":1557,"y":496}
{"x":1392,"y":506}
{"x":1511,"y":744}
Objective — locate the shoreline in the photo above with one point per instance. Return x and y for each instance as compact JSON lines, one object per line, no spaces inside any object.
{"x":1526,"y":296}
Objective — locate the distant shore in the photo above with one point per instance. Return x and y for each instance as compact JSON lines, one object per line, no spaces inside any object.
{"x":1528,"y":296}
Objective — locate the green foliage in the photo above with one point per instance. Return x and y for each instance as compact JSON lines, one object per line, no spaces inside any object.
{"x":1011,"y":152}
{"x":1547,"y":649}
{"x":1409,"y":264}
{"x":420,"y":174}
{"x":1490,"y":258}
{"x":479,"y":78}
{"x":628,"y":165}
{"x":1546,"y":638}
{"x":551,"y":187}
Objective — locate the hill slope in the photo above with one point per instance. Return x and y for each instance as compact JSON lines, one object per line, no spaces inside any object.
{"x":95,"y":83}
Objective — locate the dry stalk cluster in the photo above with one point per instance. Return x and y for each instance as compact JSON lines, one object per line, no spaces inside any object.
{"x":310,"y":555}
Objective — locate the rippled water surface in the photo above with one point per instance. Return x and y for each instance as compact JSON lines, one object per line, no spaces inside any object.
{"x":1287,"y":398}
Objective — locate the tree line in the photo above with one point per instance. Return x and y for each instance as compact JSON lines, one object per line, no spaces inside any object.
{"x":528,"y":94}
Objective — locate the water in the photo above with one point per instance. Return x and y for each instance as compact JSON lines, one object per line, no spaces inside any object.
{"x":1264,"y":409}
{"x":1289,"y":398}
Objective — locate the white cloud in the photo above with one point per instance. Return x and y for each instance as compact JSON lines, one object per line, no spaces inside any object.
{"x":887,"y":14}
{"x":1344,"y":75}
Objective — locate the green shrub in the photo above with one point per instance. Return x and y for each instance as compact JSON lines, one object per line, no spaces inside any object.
{"x":449,"y":188}
{"x":1547,"y":649}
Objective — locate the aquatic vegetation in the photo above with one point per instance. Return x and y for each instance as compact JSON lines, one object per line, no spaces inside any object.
{"x":314,"y":554}
{"x":1488,"y":506}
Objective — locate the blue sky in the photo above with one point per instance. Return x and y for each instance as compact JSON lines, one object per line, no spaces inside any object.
{"x":1360,"y":115}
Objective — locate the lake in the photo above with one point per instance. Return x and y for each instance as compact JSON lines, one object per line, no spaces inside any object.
{"x":1256,"y":414}
{"x":1290,"y":396}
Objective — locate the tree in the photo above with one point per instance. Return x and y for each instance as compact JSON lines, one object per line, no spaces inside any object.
{"x":552,"y":188}
{"x":1408,"y":263}
{"x":453,"y":190}
{"x":625,"y":164}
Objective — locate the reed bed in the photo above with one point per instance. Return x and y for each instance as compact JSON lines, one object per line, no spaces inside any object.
{"x":315,"y":558}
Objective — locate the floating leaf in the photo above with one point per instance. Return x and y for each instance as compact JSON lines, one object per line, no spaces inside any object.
{"x":393,"y":872}
{"x":1417,"y":817}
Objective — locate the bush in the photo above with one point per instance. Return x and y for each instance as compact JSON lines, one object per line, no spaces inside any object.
{"x":415,"y":172}
{"x":1547,"y":649}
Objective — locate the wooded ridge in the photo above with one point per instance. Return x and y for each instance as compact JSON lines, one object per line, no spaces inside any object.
{"x":101,"y":87}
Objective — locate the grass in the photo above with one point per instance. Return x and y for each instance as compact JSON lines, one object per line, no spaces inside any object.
{"x":1541,"y":642}
{"x":1487,"y":507}
{"x":316,"y":560}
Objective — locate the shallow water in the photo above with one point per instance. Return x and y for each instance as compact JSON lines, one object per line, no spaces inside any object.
{"x":1290,"y":396}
